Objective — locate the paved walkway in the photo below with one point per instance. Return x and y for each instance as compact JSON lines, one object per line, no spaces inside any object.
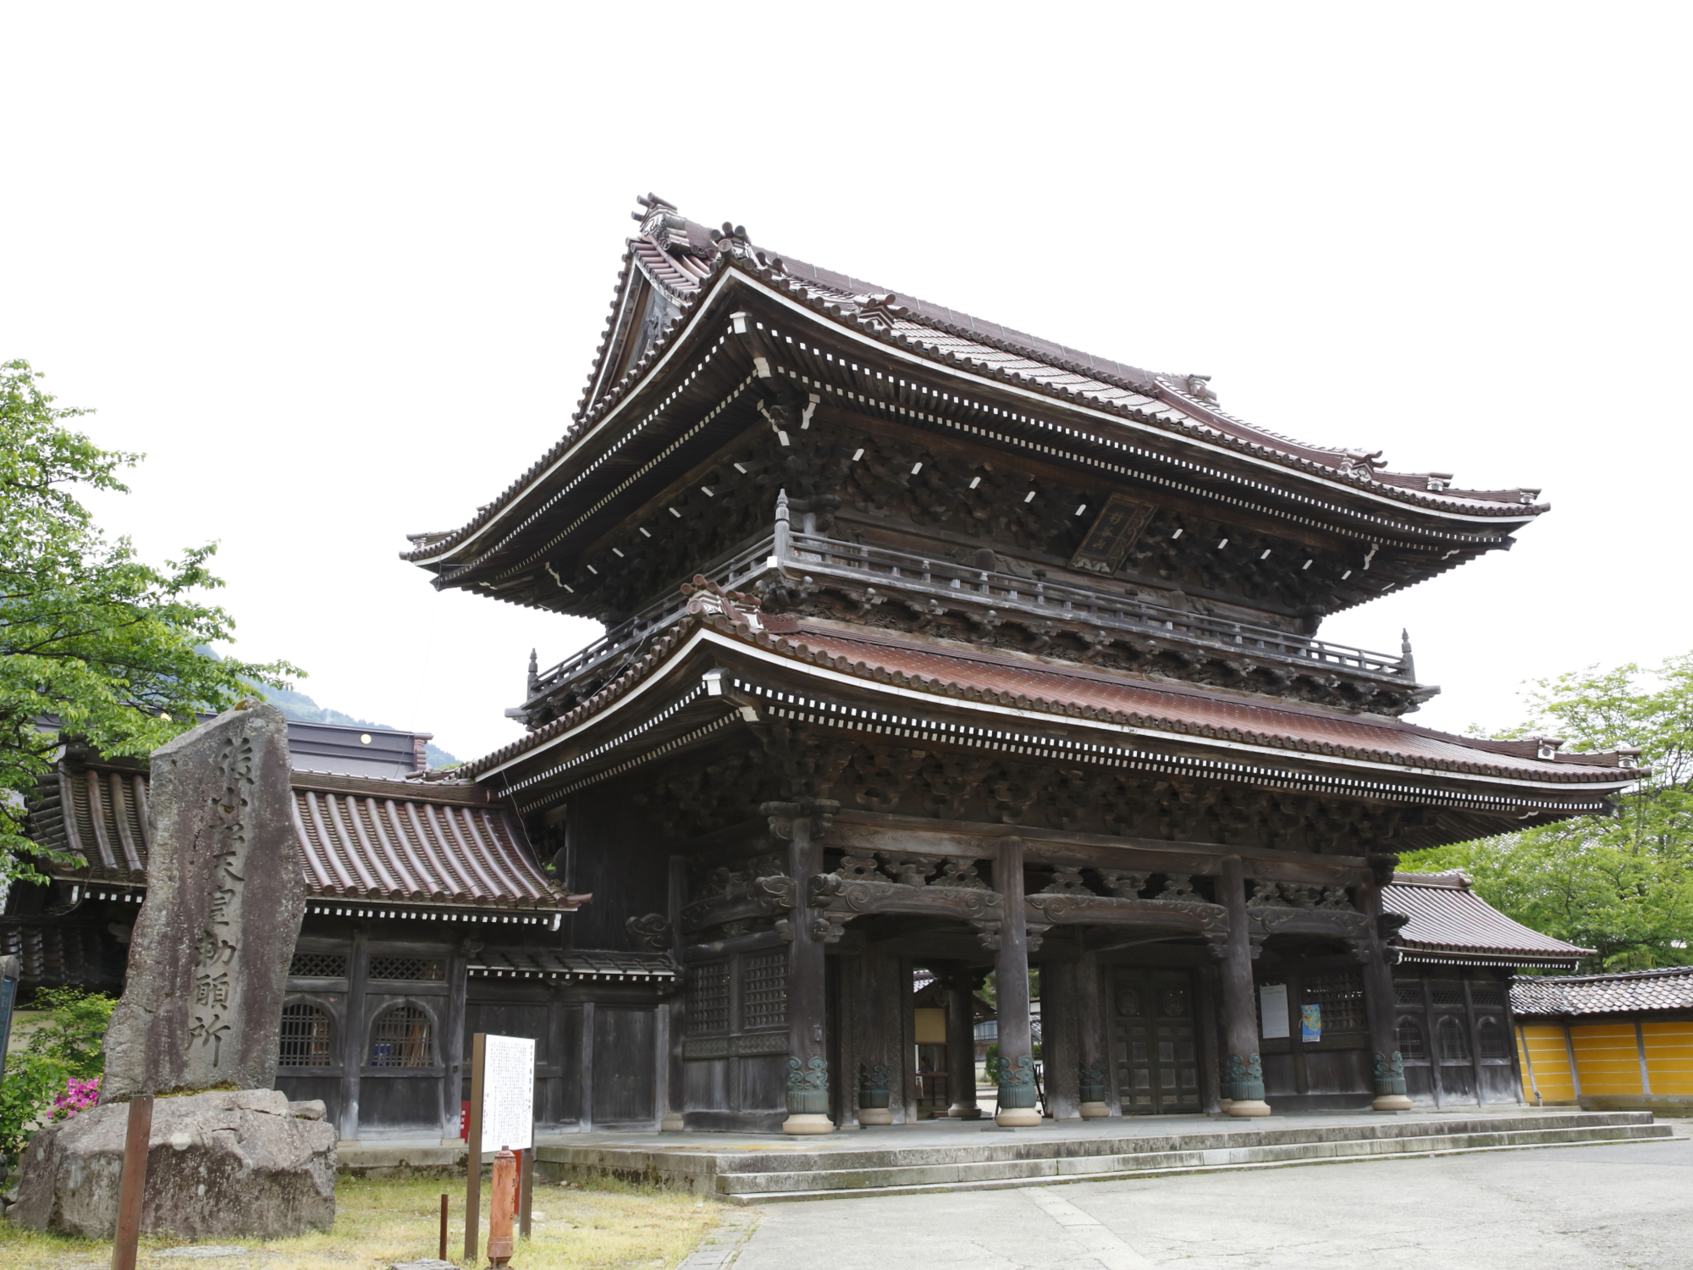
{"x":1580,"y":1208}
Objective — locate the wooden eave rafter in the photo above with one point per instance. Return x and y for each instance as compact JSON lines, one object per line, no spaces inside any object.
{"x":1260,"y":482}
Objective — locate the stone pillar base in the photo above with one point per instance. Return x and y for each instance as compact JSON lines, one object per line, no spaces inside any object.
{"x":875,"y":1115}
{"x":1246,"y":1107}
{"x":1018,"y":1118}
{"x":672,"y":1123}
{"x":956,"y":1112}
{"x":799,"y":1123}
{"x":1391,"y":1102}
{"x":1093,"y":1111}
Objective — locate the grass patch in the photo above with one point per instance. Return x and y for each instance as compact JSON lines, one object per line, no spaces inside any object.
{"x":600,"y":1225}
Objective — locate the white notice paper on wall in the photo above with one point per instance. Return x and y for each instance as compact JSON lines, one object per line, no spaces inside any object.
{"x":508,"y":1093}
{"x":1272,"y":1009}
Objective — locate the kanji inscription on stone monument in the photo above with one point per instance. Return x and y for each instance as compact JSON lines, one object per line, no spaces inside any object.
{"x":208,"y":963}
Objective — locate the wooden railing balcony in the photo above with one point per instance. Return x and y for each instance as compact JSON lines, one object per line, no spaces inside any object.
{"x":788,"y":557}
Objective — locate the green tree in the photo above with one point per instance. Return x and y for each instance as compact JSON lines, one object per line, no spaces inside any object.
{"x":1623,"y":884}
{"x":95,"y":645}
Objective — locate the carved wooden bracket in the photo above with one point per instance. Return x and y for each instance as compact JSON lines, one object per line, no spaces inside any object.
{"x":820,"y":811}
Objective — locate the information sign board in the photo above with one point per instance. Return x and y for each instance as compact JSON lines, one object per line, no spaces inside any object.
{"x":508,"y":1093}
{"x":1272,"y":1009}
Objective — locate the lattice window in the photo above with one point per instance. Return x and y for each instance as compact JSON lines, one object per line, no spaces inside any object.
{"x":407,"y":968}
{"x":1446,"y":993}
{"x":307,"y":1031}
{"x":1342,"y":999}
{"x":309,"y":965}
{"x":1488,"y":995}
{"x":402,"y":1037}
{"x":1411,"y":1043}
{"x":1491,"y":1041}
{"x":1454,"y":1045}
{"x":708,"y":998}
{"x":1408,"y":992}
{"x":764,"y":991}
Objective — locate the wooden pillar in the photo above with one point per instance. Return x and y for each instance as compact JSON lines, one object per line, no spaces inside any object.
{"x":808,"y":1062}
{"x":1094,"y":1094}
{"x":1011,"y":977}
{"x":353,"y":1038}
{"x":961,"y":1043}
{"x":452,"y":1044}
{"x":672,"y":1104}
{"x":1210,"y":1061}
{"x":877,"y":1010}
{"x":1381,"y":1009}
{"x":1061,"y":1063}
{"x":905,"y":1032}
{"x":1240,"y":1015}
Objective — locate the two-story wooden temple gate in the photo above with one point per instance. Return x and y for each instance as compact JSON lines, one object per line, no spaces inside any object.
{"x":994,"y":652}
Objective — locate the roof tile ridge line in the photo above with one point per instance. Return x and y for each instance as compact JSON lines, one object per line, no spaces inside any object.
{"x":582,"y":422}
{"x":583,"y":408}
{"x":1421,"y":497}
{"x":647,"y":664}
{"x":1175,"y":427}
{"x":1133,"y":719}
{"x":1301,"y":709}
{"x":632,"y":380}
{"x":1149,"y":388}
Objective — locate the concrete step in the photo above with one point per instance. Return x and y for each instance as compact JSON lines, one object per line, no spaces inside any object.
{"x":988,"y":1143}
{"x":768,"y":1185}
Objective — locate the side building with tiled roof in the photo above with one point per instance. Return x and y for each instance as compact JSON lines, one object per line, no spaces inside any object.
{"x":428,"y":917}
{"x":1616,"y":1042}
{"x":933,"y":645}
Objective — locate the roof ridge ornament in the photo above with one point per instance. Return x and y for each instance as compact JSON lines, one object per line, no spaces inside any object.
{"x":664,"y":224}
{"x":709,"y":598}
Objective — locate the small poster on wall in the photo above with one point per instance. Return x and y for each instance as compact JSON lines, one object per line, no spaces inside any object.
{"x":1310,"y":1023}
{"x":1272,"y":1010}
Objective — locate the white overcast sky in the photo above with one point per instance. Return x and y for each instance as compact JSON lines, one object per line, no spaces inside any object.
{"x":339,"y":268}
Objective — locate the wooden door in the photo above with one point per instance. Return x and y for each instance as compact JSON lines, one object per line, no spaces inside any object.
{"x":1155,"y":1042}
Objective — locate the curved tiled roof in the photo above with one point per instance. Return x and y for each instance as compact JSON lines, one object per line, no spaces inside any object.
{"x":1178,"y":403}
{"x":358,"y":837}
{"x":1071,"y":692}
{"x":1666,"y":989}
{"x":1448,"y":917}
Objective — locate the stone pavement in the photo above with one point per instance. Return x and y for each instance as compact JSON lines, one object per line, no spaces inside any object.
{"x":1580,"y":1208}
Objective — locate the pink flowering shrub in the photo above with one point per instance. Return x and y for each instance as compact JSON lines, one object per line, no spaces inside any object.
{"x":78,"y":1095}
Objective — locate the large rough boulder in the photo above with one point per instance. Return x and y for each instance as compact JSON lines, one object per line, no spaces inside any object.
{"x":243,"y":1162}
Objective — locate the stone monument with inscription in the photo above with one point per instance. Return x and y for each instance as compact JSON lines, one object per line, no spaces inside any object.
{"x":201,"y":1012}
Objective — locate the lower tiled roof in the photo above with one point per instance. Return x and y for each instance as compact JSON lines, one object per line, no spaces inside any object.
{"x":1625,"y":993}
{"x":363,"y":838}
{"x":1451,"y":923}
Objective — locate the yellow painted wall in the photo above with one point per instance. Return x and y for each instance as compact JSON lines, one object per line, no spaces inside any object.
{"x":1607,"y":1059}
{"x":1669,"y":1057}
{"x":931,"y":1027}
{"x":1545,"y":1064}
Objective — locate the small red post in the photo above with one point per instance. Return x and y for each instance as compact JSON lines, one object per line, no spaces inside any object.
{"x":443,"y":1228}
{"x":132,"y":1183}
{"x":502,"y":1207}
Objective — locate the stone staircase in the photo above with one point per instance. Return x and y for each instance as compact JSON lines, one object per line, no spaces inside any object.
{"x":1023,"y":1159}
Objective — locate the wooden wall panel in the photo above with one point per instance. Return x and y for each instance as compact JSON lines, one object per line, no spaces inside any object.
{"x":625,"y":1072}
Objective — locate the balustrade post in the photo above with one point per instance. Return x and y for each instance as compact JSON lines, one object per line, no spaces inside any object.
{"x":780,"y":546}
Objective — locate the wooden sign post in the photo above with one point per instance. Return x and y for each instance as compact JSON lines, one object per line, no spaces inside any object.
{"x":502,"y":1115}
